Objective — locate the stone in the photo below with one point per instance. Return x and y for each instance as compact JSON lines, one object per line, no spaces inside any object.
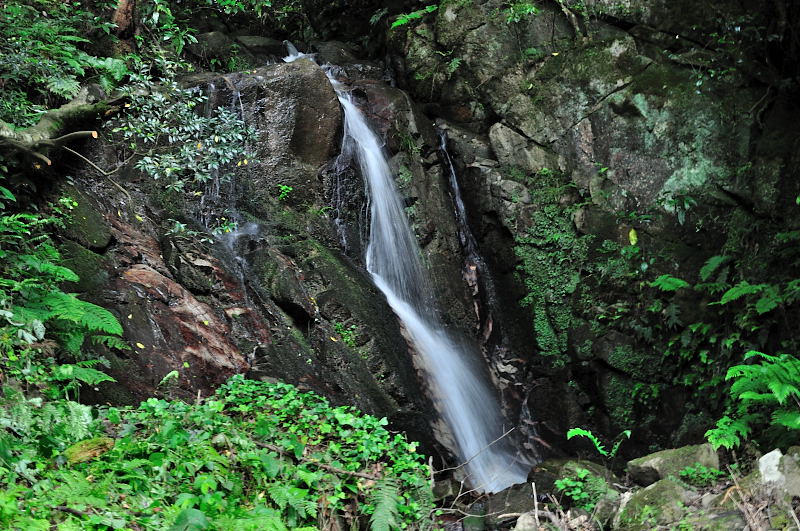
{"x":86,"y":450}
{"x":777,"y":471}
{"x":662,"y":503}
{"x":86,"y":224}
{"x":527,"y":522}
{"x":513,"y":149}
{"x":262,"y":46}
{"x":660,"y":465}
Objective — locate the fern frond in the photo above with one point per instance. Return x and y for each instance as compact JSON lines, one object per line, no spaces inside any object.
{"x":711,"y":265}
{"x":386,"y":498}
{"x":110,"y":342}
{"x":669,"y":283}
{"x":96,"y":319}
{"x":740,"y":290}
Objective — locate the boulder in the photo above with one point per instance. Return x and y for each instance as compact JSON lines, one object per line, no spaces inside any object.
{"x":660,"y":465}
{"x":513,"y":149}
{"x":662,"y":503}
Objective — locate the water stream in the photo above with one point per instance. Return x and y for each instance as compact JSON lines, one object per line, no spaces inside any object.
{"x":460,"y":393}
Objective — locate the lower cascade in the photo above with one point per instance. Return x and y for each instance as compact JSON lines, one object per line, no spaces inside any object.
{"x":392,"y":257}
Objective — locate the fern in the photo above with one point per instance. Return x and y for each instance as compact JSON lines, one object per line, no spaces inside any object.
{"x":669,"y":283}
{"x":740,"y":290}
{"x":769,"y":300}
{"x":386,"y":498}
{"x":66,"y":87}
{"x":766,"y":390}
{"x":404,"y":19}
{"x":96,"y":319}
{"x":711,"y":265}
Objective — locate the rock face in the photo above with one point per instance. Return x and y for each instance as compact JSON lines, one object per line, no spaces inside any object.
{"x":276,"y":298}
{"x":595,"y":156}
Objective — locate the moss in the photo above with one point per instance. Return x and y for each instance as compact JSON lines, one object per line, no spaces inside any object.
{"x":639,"y":365}
{"x":85,"y":224}
{"x":86,"y":264}
{"x":661,"y":503}
{"x":618,"y":400}
{"x":551,"y":255}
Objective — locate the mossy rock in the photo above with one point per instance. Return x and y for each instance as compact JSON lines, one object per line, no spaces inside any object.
{"x":88,"y":265}
{"x":650,"y":468}
{"x":662,"y":503}
{"x":87,"y":450}
{"x":86,"y":225}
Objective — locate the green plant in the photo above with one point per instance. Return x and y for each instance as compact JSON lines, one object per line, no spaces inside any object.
{"x":173,"y":142}
{"x":284,"y":191}
{"x":253,"y":456}
{"x":583,"y":488}
{"x":347,"y":333}
{"x":225,"y":226}
{"x":405,"y":18}
{"x":46,"y":333}
{"x":765,"y":393}
{"x":700,"y":475}
{"x":601,"y":449}
{"x":45,"y":59}
{"x":518,"y":11}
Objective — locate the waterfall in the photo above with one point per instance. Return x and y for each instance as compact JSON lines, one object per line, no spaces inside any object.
{"x":462,"y":396}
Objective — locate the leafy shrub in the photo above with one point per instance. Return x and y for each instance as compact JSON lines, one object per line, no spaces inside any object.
{"x":700,"y":475}
{"x":254,"y":456}
{"x":583,"y":488}
{"x":43,"y":57}
{"x":175,"y":143}
{"x":768,"y":393}
{"x":45,"y":332}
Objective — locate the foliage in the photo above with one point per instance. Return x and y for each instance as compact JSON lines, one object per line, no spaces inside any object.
{"x":404,"y":19}
{"x":45,"y":57}
{"x":347,"y":333}
{"x":518,"y":11}
{"x":583,"y":488}
{"x":283,"y":191}
{"x":700,"y":475}
{"x":669,"y":283}
{"x":253,"y":456}
{"x":601,"y":449}
{"x":44,"y":330}
{"x":766,"y":393}
{"x":175,"y":142}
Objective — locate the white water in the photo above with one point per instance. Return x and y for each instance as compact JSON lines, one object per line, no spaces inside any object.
{"x":392,"y":257}
{"x":462,"y":396}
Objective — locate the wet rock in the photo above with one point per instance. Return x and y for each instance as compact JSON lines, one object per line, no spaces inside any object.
{"x":511,"y":501}
{"x":89,"y":266}
{"x":660,"y":465}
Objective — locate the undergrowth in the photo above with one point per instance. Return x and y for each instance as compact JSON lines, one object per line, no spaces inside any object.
{"x":254,"y":456}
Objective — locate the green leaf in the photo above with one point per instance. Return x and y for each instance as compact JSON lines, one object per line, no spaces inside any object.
{"x":711,"y":265}
{"x":740,"y":290}
{"x":190,"y":520}
{"x":668,"y":283}
{"x":66,"y":87}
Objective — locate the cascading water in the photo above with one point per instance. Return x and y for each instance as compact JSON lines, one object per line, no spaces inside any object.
{"x":392,"y":257}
